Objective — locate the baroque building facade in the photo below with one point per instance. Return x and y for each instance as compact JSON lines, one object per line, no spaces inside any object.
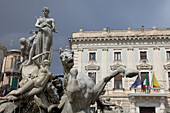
{"x":3,"y":53}
{"x":97,"y":53}
{"x":10,"y":71}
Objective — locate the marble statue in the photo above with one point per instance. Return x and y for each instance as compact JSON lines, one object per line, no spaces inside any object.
{"x":44,"y":37}
{"x":67,"y":61}
{"x":39,"y":43}
{"x":26,"y":45}
{"x":33,"y":86}
{"x":37,"y":83}
{"x":80,"y":90}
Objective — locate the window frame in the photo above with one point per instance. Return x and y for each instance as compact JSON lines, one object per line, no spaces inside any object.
{"x":142,"y":76}
{"x":169,"y":79}
{"x":116,"y":56}
{"x":118,"y":82}
{"x":93,"y":79}
{"x":92,"y":53}
{"x":142,"y":57}
{"x":168,"y":55}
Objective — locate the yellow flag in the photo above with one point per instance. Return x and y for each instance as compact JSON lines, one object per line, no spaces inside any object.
{"x":155,"y":82}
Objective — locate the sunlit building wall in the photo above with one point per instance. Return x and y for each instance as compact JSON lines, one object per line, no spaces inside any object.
{"x":10,"y":70}
{"x":97,"y":53}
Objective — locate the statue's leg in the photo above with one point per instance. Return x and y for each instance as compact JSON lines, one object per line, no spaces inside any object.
{"x":34,"y":91}
{"x":31,"y":54}
{"x":47,"y":46}
{"x":27,"y":86}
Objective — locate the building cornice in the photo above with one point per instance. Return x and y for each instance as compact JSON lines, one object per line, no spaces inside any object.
{"x":120,"y":38}
{"x":124,"y":32}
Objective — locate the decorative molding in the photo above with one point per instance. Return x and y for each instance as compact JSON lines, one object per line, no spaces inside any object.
{"x":144,"y":65}
{"x":116,"y":65}
{"x":105,"y":49}
{"x":81,"y":50}
{"x":142,"y":48}
{"x":109,"y":38}
{"x":92,"y":49}
{"x":130,"y":49}
{"x":92,"y":67}
{"x":156,"y":48}
{"x":167,"y":66}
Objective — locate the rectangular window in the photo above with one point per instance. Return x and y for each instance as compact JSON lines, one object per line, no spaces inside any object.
{"x":118,"y":82}
{"x":143,"y":55}
{"x":9,"y":81}
{"x":16,"y":66}
{"x":92,"y":75}
{"x":117,"y":56}
{"x":143,"y":74}
{"x":14,"y":83}
{"x":11,"y":63}
{"x":168,"y":55}
{"x":92,"y":56}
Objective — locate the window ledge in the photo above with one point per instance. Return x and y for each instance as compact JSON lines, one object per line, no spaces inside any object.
{"x":91,"y":61}
{"x":122,"y":90}
{"x":144,"y":60}
{"x":117,"y":61}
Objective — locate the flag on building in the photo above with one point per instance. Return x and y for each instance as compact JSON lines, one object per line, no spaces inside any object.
{"x":155,"y":82}
{"x":136,"y":83}
{"x":146,"y":82}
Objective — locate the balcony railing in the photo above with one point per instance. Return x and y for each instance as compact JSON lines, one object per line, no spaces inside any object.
{"x":147,"y":90}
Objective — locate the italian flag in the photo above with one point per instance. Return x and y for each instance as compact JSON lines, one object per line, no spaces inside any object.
{"x":146,"y":82}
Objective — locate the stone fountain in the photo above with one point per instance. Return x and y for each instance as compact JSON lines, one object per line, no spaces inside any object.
{"x":36,"y":91}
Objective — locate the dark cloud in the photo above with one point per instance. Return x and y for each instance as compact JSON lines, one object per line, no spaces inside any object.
{"x":18,"y":18}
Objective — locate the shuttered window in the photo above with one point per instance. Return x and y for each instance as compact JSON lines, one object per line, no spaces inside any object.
{"x":143,"y":55}
{"x":14,"y":83}
{"x":11,"y":63}
{"x":9,"y":81}
{"x":118,"y":82}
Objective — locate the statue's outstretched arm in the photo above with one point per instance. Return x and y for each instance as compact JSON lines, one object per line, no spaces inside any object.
{"x":37,"y":56}
{"x":100,"y":86}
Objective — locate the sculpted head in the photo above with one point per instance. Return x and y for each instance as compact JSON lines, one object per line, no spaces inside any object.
{"x":67,"y":57}
{"x":23,"y":41}
{"x":46,"y":11}
{"x":46,"y":63}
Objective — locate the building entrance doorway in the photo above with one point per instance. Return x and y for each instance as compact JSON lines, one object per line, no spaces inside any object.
{"x":147,"y":109}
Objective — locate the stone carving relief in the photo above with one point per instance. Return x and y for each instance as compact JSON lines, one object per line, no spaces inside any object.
{"x":144,"y":65}
{"x":92,"y":67}
{"x":167,"y":66}
{"x":116,"y":65}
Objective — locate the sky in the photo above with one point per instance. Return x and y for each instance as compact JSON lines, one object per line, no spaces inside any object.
{"x":18,"y":17}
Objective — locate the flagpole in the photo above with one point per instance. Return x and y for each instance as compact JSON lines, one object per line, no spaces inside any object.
{"x":152,"y":79}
